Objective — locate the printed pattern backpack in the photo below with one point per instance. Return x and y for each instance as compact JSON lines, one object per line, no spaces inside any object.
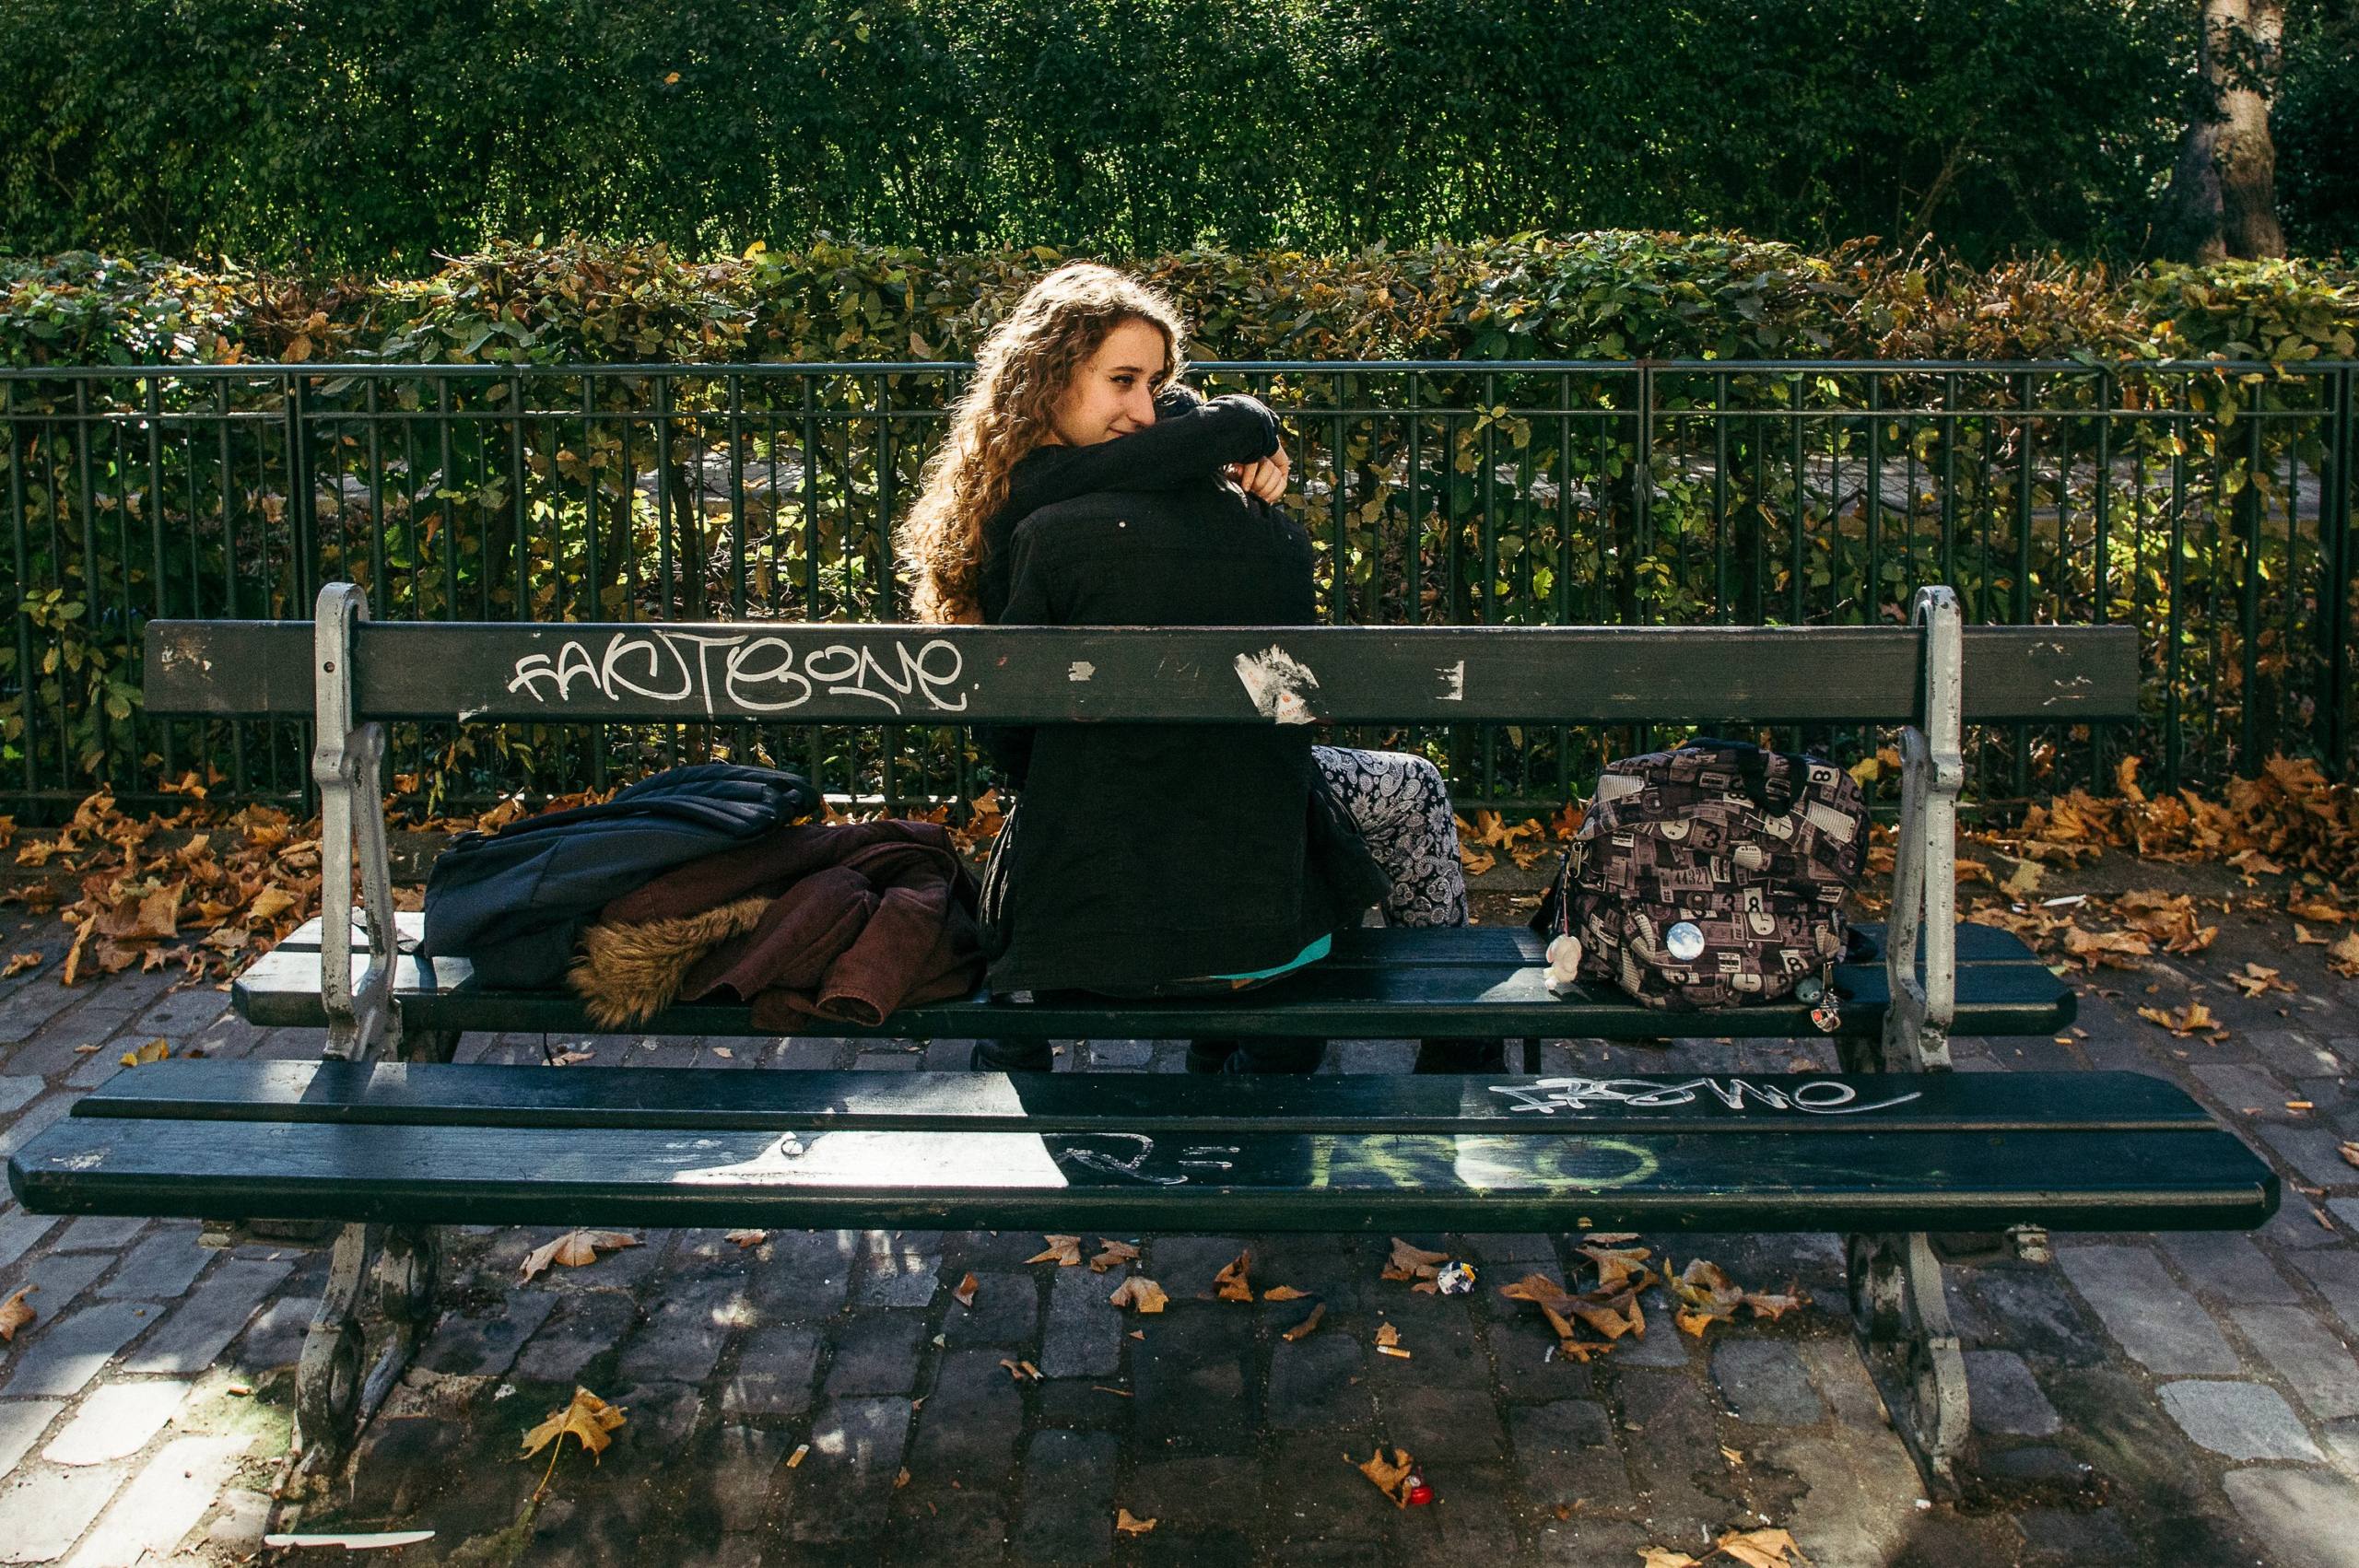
{"x":1712,"y":875}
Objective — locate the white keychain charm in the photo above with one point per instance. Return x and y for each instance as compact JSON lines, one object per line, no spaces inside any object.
{"x":1564,"y":962}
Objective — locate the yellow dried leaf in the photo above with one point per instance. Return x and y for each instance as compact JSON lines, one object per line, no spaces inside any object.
{"x":1760,"y":1549}
{"x":575,"y":1249}
{"x":747,"y":1238}
{"x":1387,"y":1336}
{"x":964,"y":1294}
{"x":1062,"y":1251}
{"x":1663,"y":1557}
{"x":19,"y":962}
{"x":269,"y":903}
{"x":1620,"y":1268}
{"x":1230,"y":1284}
{"x":1412,"y":1262}
{"x":588,"y":1418}
{"x":1390,"y":1475}
{"x":15,"y":1314}
{"x":1128,"y":1524}
{"x":1283,"y":1292}
{"x":2194,"y":1018}
{"x":154,"y":1050}
{"x":1140,"y":1292}
{"x":1112,"y":1254}
{"x":1309,"y":1324}
{"x":2344,"y":958}
{"x":1774,"y":1305}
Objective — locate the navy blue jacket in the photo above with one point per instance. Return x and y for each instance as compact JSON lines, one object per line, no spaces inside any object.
{"x":515,"y":902}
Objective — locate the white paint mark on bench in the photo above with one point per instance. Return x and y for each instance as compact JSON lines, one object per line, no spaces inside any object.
{"x":1276,"y":681}
{"x":1081,"y":670}
{"x":745,"y":671}
{"x":1453,"y":681}
{"x":1819,"y":1096}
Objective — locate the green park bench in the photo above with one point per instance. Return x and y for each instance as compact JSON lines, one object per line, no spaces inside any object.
{"x":386,"y":1135}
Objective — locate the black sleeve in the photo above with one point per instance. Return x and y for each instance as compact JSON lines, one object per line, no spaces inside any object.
{"x":1187,"y":441}
{"x":1031,"y":601}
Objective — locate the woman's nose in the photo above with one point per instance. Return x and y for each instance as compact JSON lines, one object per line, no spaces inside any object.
{"x":1138,"y":406}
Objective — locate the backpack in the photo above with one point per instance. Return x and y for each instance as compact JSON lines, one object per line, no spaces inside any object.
{"x":1712,"y":875}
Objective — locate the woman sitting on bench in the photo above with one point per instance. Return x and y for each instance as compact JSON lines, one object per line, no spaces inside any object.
{"x":1171,"y":860}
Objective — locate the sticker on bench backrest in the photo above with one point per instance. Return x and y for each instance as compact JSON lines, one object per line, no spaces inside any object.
{"x":748,"y":672}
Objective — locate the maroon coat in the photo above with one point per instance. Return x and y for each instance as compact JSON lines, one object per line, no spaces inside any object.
{"x":864,"y":918}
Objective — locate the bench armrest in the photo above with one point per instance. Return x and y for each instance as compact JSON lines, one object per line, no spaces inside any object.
{"x":347,"y":764}
{"x":1924,"y":880}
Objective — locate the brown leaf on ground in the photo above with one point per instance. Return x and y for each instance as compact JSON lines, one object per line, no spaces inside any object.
{"x":1062,"y":1251}
{"x":2192,"y":1019}
{"x":1230,"y":1284}
{"x":154,"y":1050}
{"x":588,"y":1418}
{"x":2119,"y":949}
{"x":1140,"y":1291}
{"x":964,"y":1294}
{"x":1705,"y":1295}
{"x":1620,"y":1268}
{"x":2302,"y":937}
{"x":1021,"y":1370}
{"x":1128,"y":1524}
{"x":1613,"y":1316}
{"x":2310,"y":906}
{"x":1554,"y":1301}
{"x":19,"y":962}
{"x":1760,"y":1549}
{"x":1386,"y":1335}
{"x":1308,"y":1327}
{"x":1283,"y":1292}
{"x":1774,"y":1305}
{"x":2350,"y":1152}
{"x":1665,"y":1557}
{"x":575,"y":1249}
{"x":1608,"y":1238}
{"x":1111,"y":1254}
{"x":747,"y":1238}
{"x":1412,"y":1262}
{"x":2255,"y":980}
{"x":2344,"y":958}
{"x":1390,"y":1475}
{"x":15,"y":1314}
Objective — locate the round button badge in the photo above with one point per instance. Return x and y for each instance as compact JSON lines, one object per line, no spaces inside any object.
{"x":1685,"y":940}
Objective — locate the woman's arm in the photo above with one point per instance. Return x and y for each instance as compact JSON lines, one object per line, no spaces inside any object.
{"x":1182,"y":447}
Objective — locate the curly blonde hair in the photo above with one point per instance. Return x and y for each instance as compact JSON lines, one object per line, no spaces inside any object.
{"x":1008,"y":410}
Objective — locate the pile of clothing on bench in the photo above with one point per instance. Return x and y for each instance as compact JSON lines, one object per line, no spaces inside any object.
{"x":704,"y":884}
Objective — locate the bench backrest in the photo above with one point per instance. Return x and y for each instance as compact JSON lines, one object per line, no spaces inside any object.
{"x":778,"y":673}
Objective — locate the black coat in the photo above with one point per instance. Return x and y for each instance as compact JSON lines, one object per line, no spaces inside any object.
{"x":515,"y":902}
{"x":1139,"y":854}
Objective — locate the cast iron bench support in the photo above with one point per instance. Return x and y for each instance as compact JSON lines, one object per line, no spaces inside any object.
{"x":384,"y":1137}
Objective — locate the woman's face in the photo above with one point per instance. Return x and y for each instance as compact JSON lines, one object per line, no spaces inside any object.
{"x":1113,"y":393}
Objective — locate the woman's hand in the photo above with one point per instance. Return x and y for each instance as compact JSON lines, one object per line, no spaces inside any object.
{"x":1265,"y":480}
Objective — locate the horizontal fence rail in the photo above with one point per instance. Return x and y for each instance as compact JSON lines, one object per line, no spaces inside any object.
{"x":2207,"y":507}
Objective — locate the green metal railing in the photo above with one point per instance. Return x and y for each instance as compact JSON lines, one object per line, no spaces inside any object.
{"x":2208,"y":504}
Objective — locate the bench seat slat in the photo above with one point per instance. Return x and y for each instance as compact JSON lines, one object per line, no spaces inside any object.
{"x":1781,"y":1181}
{"x":1155,"y":1105}
{"x":1414,"y":1000}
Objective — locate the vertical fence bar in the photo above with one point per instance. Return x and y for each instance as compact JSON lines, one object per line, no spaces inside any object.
{"x":2335,"y":548}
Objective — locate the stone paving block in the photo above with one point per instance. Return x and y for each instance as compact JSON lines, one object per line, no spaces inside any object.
{"x":662,"y":1416}
{"x":182,"y":1013}
{"x":1565,"y":1453}
{"x":2315,"y":1153}
{"x":1662,"y":1344}
{"x":1518,"y":1255}
{"x":1084,"y":1338}
{"x":1121,"y":1056}
{"x":1583,"y":1542}
{"x":2335,"y":1272}
{"x":2297,"y":1053}
{"x":682,"y":1338}
{"x":1863,"y":1492}
{"x":99,"y":1232}
{"x":2228,"y":1264}
{"x":1318,"y":1500}
{"x":970,"y":1423}
{"x":2243,"y":1420}
{"x":899,"y":1268}
{"x":1444,"y":1353}
{"x":2345,"y":1209}
{"x":1007,"y":1312}
{"x":1842,"y":1379}
{"x":948,"y":1055}
{"x":275,"y":1339}
{"x":20,"y":1230}
{"x":26,"y":1009}
{"x":1068,"y":1498}
{"x":59,"y":1278}
{"x":1185,"y":1265}
{"x":469,"y":1347}
{"x":774,"y":1370}
{"x":2314,"y":1363}
{"x":161,"y":1267}
{"x":2298,"y":1226}
{"x":2006,"y":1397}
{"x":200,"y":1327}
{"x":876,"y":1353}
{"x":21,"y":1423}
{"x":116,"y":1421}
{"x":1319,"y":1384}
{"x":1671,"y":1434}
{"x":2246,"y":1091}
{"x":1764,"y":1383}
{"x":1194,"y":1389}
{"x":802,"y":1273}
{"x":583,"y":1328}
{"x":61,"y":1361}
{"x":946,"y":1526}
{"x":16,"y":1091}
{"x":45,"y":1510}
{"x":2308,"y":1519}
{"x":2077,"y":1536}
{"x":1446,"y":1425}
{"x":2161,"y":1324}
{"x":840,"y":1490}
{"x":1188,"y":1496}
{"x":738,"y":1472}
{"x":239,"y":1524}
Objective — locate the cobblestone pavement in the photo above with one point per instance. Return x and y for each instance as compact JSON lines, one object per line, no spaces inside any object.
{"x":2181,"y":1400}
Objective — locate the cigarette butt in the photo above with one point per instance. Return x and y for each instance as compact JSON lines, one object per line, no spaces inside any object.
{"x":796,"y":1458}
{"x":1392,"y":1351}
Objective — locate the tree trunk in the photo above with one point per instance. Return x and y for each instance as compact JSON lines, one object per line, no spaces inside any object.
{"x":2222,"y":199}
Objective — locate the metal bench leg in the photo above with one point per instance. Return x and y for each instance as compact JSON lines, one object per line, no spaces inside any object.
{"x":1898,"y":1311}
{"x":336,"y":1384}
